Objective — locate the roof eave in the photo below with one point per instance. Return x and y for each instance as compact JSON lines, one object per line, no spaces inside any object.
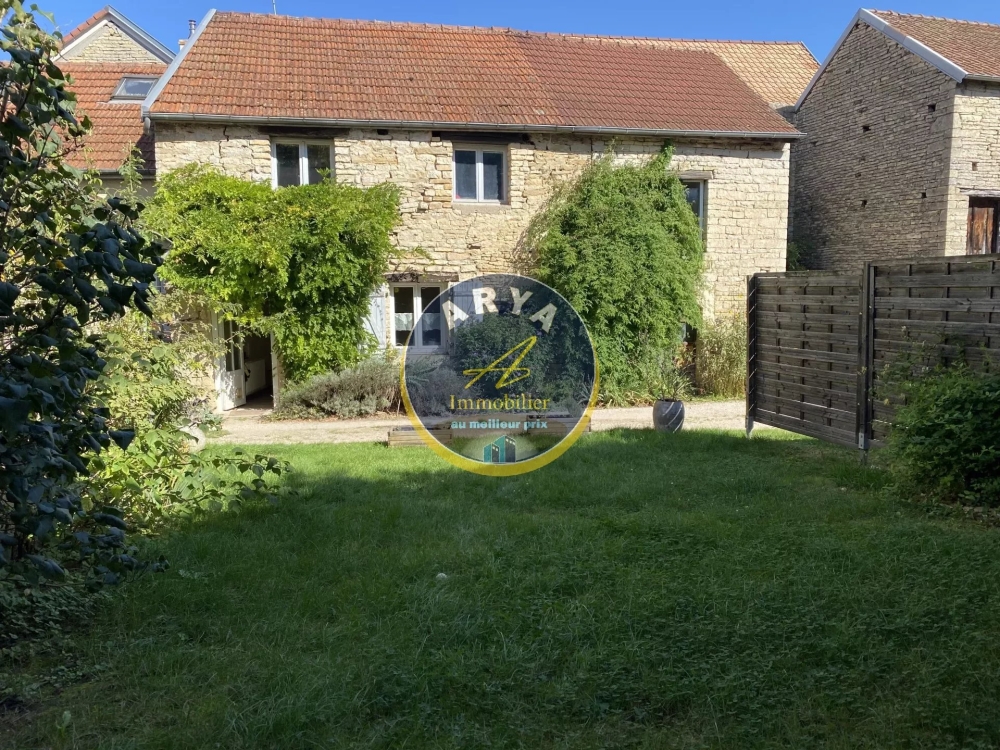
{"x":479,"y":126}
{"x":982,"y":78}
{"x":921,"y":50}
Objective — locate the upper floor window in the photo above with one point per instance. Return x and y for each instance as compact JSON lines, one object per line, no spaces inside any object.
{"x":133,"y":88}
{"x":300,"y":163}
{"x":694,"y":191}
{"x":480,"y":175}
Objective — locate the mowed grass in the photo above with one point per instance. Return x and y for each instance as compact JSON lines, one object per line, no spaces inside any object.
{"x":644,"y":591}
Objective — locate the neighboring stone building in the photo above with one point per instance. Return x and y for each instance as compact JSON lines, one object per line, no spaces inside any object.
{"x":114,"y":64}
{"x":478,"y":126}
{"x":901,"y":155}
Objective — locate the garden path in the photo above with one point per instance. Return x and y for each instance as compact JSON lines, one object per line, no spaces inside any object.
{"x":249,"y":426}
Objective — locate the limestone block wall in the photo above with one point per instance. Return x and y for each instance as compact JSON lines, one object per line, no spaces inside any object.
{"x":975,"y":157}
{"x":235,"y":150}
{"x":870,"y":179}
{"x":111,"y":45}
{"x":746,"y":204}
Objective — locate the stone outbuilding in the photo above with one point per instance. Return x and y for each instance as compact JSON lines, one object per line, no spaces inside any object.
{"x":901,"y":154}
{"x":114,"y":65}
{"x":479,"y":126}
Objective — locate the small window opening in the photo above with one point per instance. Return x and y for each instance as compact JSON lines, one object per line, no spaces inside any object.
{"x":923,"y":195}
{"x":382,"y":131}
{"x":865,"y":128}
{"x":864,"y":203}
{"x":931,"y":107}
{"x":975,"y":166}
{"x":133,"y":88}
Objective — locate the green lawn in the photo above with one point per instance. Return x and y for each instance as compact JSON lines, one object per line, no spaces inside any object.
{"x":688,"y":591}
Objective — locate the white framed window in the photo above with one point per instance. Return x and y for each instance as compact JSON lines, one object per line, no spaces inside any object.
{"x":300,"y":163}
{"x":409,"y":302}
{"x":480,"y":174}
{"x":694,"y":191}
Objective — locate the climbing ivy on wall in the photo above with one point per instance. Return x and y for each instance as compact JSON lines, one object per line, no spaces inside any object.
{"x":297,"y":262}
{"x":623,"y":246}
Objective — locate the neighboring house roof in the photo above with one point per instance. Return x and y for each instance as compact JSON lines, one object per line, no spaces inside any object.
{"x":267,"y":68}
{"x":79,"y":37}
{"x":963,"y":50}
{"x":973,"y":46}
{"x":115,"y":125}
{"x":777,"y":71}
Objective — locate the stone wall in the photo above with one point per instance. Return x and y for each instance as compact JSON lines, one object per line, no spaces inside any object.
{"x":109,"y":44}
{"x":870,"y":177}
{"x":746,"y":205}
{"x":975,"y":157}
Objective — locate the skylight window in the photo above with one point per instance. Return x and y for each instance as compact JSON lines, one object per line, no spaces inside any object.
{"x":133,"y":88}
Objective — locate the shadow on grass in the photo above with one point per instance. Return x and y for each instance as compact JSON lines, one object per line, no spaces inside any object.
{"x":644,"y":590}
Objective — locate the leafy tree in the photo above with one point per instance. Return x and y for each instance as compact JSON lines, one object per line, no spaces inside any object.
{"x":298,"y":262}
{"x":624,"y":248}
{"x":67,"y":260}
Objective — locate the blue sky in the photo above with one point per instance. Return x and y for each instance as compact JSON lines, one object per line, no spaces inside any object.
{"x":818,"y":24}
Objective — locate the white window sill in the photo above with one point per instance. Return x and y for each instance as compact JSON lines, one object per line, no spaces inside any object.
{"x":468,"y":206}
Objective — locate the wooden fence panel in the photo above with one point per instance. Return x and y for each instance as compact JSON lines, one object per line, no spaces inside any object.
{"x":803,"y":344}
{"x":817,"y":341}
{"x":938,"y":311}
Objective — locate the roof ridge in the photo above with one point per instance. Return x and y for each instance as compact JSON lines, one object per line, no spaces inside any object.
{"x":509,"y":30}
{"x":935,"y":18}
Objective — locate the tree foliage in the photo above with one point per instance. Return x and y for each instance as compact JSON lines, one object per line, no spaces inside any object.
{"x":67,"y":260}
{"x":299,"y":262}
{"x":624,"y":248}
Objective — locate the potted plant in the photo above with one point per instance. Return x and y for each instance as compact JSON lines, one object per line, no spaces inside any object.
{"x":673,"y":386}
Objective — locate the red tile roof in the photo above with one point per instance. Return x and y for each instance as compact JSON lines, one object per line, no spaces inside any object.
{"x":115,"y":125}
{"x":777,"y":71}
{"x":973,"y":46}
{"x":263,"y":66}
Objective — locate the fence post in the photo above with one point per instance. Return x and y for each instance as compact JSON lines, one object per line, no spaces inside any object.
{"x":866,"y":364}
{"x":751,"y":351}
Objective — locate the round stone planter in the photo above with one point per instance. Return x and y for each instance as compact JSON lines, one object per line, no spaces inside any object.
{"x":668,"y":415}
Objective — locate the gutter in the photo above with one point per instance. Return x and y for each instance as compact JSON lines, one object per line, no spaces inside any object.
{"x":442,"y":125}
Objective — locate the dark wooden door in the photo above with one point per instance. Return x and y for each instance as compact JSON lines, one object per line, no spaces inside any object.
{"x":984,"y":213}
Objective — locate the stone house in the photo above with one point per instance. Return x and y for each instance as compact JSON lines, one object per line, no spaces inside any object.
{"x":478,"y":126}
{"x":114,"y":64}
{"x":901,"y":155}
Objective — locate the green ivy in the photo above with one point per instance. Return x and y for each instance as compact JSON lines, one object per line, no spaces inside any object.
{"x":624,"y":248}
{"x":298,"y":262}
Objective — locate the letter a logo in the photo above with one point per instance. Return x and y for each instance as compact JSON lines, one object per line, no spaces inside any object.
{"x":510,"y":374}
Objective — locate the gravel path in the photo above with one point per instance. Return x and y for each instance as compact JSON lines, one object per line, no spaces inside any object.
{"x":246,"y":426}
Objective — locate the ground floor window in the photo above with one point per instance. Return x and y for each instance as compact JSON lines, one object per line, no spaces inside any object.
{"x":984,"y":226}
{"x":413,"y":301}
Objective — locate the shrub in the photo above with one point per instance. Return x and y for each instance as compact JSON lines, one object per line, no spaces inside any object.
{"x":721,"y":360}
{"x":369,"y":387}
{"x":298,"y":262}
{"x":149,"y":387}
{"x":659,"y":374}
{"x":945,"y":441}
{"x":624,"y":248}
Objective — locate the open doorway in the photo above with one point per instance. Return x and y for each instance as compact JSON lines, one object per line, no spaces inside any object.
{"x":243,"y":374}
